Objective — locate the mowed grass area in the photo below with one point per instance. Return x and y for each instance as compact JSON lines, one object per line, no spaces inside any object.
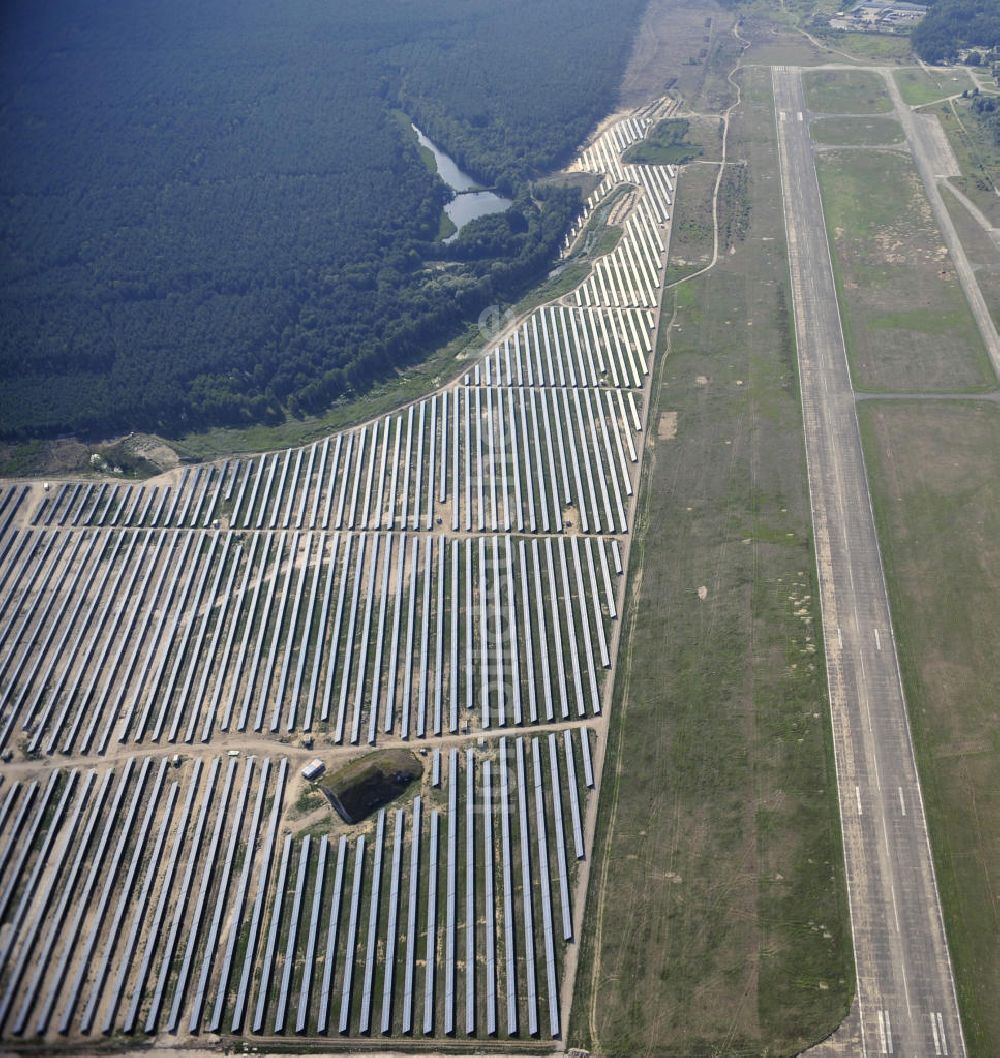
{"x":907,"y":324}
{"x":846,"y":92}
{"x":919,"y":87}
{"x":717,"y":918}
{"x":934,"y":468}
{"x":856,"y":132}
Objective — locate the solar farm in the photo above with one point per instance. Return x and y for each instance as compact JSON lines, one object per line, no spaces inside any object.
{"x":448,"y":578}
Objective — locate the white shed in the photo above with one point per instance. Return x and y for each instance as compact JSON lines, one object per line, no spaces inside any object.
{"x":313,"y":770}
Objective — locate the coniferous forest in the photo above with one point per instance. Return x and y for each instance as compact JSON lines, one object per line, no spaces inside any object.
{"x":210,"y":214}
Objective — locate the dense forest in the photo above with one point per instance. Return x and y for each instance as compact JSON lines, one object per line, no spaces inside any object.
{"x":209,"y":214}
{"x":952,"y":25}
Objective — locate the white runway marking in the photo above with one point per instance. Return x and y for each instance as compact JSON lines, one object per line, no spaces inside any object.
{"x":902,"y":803}
{"x":878,"y":641}
{"x":906,"y":991}
{"x":895,"y":906}
{"x":934,"y":1033}
{"x":885,"y":1031}
{"x":883,"y":1039}
{"x":940,"y":1025}
{"x":857,"y":793}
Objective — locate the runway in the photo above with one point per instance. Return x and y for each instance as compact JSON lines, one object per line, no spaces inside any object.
{"x":905,"y":989}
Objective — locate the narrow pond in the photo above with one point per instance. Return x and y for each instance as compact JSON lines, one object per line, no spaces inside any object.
{"x":470,"y":199}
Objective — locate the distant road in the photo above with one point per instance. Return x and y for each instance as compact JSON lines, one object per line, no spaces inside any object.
{"x":906,"y":993}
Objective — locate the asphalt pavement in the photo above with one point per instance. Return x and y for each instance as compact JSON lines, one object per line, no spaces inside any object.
{"x":906,"y":1002}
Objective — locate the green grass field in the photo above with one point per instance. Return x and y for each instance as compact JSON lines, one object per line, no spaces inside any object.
{"x":934,"y":468}
{"x":856,"y":132}
{"x":873,"y":48}
{"x":772,"y":45}
{"x":789,"y":50}
{"x":919,"y":87}
{"x":846,"y":92}
{"x":906,"y":322}
{"x":717,"y":918}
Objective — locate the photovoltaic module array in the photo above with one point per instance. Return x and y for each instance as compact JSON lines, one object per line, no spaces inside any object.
{"x":448,"y":577}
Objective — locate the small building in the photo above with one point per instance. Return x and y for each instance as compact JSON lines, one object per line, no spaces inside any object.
{"x":313,"y":770}
{"x":880,"y":16}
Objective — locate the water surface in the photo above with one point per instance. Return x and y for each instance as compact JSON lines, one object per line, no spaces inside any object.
{"x":470,"y":200}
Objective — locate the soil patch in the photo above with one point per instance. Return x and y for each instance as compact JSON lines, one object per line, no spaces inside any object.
{"x":666,"y":428}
